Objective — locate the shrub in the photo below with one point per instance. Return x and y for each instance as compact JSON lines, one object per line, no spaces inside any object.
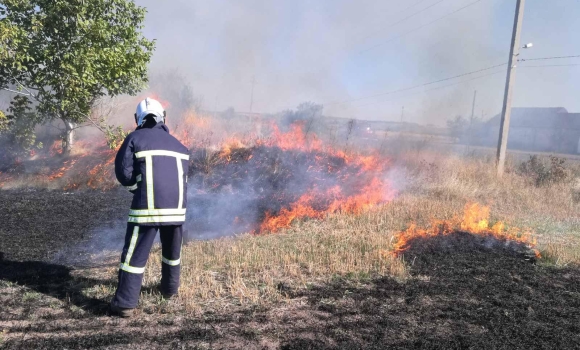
{"x":546,"y":172}
{"x":114,"y":136}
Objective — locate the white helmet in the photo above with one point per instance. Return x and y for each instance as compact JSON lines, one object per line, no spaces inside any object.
{"x":147,"y":107}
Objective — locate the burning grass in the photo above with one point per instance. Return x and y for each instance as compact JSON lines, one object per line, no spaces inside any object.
{"x":475,"y":221}
{"x":89,"y":166}
{"x":247,"y":184}
{"x":265,"y":188}
{"x":263,"y":185}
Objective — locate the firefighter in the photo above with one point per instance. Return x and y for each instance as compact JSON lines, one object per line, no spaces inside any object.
{"x":153,"y":165}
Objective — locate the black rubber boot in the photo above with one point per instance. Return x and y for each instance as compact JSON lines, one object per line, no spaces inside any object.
{"x":119,"y":311}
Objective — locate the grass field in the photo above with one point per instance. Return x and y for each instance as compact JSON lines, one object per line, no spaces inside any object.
{"x":250,"y":269}
{"x":334,"y":283}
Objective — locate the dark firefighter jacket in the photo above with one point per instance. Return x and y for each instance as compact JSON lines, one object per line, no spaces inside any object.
{"x":153,"y":165}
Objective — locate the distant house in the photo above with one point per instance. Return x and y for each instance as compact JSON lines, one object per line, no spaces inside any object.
{"x":536,"y":129}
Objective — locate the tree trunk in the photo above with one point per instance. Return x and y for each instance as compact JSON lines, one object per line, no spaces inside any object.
{"x":68,"y":140}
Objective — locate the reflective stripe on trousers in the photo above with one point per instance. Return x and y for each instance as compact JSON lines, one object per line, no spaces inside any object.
{"x":138,"y":243}
{"x":125,"y":265}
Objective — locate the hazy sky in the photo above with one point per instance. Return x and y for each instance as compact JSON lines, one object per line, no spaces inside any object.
{"x":337,"y":51}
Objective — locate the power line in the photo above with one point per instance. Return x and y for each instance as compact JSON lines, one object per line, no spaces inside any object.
{"x":552,"y":65}
{"x":397,"y":13}
{"x":406,"y":18}
{"x":416,"y":29}
{"x":421,"y":27}
{"x":455,"y":77}
{"x":417,"y":86}
{"x":547,"y":58}
{"x":436,"y":88}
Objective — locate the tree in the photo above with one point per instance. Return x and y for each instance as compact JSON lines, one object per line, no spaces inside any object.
{"x":458,"y":126}
{"x":306,"y":112}
{"x":229,"y":114}
{"x":174,"y":88}
{"x":64,"y":55}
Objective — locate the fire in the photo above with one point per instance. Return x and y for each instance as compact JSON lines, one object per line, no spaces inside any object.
{"x":294,"y":139}
{"x":297,"y":139}
{"x":4,"y":178}
{"x":100,"y":175}
{"x":475,"y":220}
{"x":331,"y":181}
{"x":331,"y":201}
{"x":63,"y":170}
{"x":189,"y":126}
{"x":288,"y":175}
{"x":55,"y":148}
{"x":228,"y":147}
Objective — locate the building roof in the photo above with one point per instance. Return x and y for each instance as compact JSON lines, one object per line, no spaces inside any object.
{"x":545,"y":118}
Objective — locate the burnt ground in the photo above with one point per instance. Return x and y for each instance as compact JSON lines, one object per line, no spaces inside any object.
{"x":463,"y":293}
{"x":37,"y":224}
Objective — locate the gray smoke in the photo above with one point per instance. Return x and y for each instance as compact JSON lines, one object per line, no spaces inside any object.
{"x":334,"y":51}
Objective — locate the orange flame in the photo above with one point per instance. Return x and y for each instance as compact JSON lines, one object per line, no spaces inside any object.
{"x":317,"y":204}
{"x":294,"y":139}
{"x":63,"y":170}
{"x":55,"y":148}
{"x":188,"y":125}
{"x":4,"y":178}
{"x":373,"y":194}
{"x":475,"y":220}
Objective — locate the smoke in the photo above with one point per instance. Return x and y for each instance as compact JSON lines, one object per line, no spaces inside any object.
{"x":104,"y":245}
{"x":266,"y":186}
{"x":334,"y":51}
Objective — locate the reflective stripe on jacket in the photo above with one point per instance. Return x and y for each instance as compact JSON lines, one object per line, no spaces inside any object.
{"x":153,"y":165}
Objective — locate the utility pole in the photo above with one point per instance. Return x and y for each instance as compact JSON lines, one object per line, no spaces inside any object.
{"x":507,"y":101}
{"x":252,"y":96}
{"x":473,"y":106}
{"x":471,"y":121}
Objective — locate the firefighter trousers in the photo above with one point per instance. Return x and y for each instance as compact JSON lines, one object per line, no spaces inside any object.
{"x":138,"y":243}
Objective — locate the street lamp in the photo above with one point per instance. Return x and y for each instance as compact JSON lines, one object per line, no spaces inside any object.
{"x":526,"y":46}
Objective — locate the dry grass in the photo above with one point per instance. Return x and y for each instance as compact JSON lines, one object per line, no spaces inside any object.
{"x":258,"y":269}
{"x":254,"y":270}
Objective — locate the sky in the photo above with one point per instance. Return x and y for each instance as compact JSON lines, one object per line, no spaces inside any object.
{"x":352,"y":56}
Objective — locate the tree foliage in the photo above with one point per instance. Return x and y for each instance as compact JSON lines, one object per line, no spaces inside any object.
{"x":17,"y":136}
{"x":176,"y":90}
{"x":458,"y":126}
{"x":65,"y":54}
{"x":4,"y":122}
{"x":306,"y":112}
{"x":23,"y":120}
{"x":115,"y":136}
